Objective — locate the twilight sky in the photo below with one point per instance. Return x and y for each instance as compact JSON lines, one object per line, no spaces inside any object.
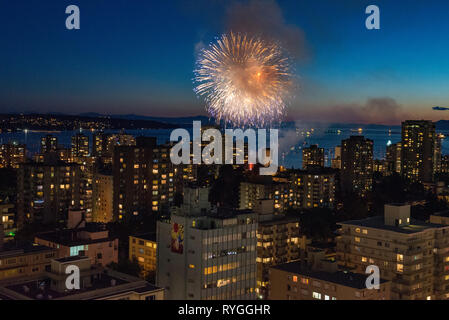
{"x":138,"y":56}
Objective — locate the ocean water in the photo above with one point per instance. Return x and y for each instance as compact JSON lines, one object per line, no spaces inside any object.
{"x":291,"y":140}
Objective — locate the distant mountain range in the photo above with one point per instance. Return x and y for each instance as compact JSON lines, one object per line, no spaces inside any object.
{"x":441,"y":125}
{"x":186,"y":121}
{"x":169,"y":120}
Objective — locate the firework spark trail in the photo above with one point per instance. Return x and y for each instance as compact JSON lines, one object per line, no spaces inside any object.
{"x":245,"y":80}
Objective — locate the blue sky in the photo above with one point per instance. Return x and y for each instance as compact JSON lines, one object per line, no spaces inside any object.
{"x":138,"y":57}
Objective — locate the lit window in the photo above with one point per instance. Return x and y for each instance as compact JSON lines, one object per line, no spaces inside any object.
{"x":316,"y":295}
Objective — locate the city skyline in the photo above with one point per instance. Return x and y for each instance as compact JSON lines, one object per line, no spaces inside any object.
{"x":230,"y":151}
{"x":140,"y":59}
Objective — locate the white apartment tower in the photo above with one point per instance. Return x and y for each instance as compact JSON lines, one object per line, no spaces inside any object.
{"x":206,"y":254}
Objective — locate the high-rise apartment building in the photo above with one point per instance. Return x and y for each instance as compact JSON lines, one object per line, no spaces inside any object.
{"x":99,"y":144}
{"x":8,"y":216}
{"x":278,"y":241}
{"x":143,"y":249}
{"x":312,"y":156}
{"x":336,"y":160}
{"x":357,"y":165}
{"x":204,"y":255}
{"x":104,"y":143}
{"x":412,"y":254}
{"x":86,"y":186}
{"x":250,"y":193}
{"x":46,"y":191}
{"x":380,"y":167}
{"x":80,"y":146}
{"x":437,"y":156}
{"x":318,"y":278}
{"x":445,"y":164}
{"x":12,"y":155}
{"x":163,"y":179}
{"x":143,"y":179}
{"x":311,"y":188}
{"x":49,"y":143}
{"x":393,"y":157}
{"x":418,"y":150}
{"x":102,"y":197}
{"x":314,"y":187}
{"x":133,"y":179}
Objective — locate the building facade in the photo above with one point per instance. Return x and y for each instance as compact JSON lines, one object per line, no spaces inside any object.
{"x":92,"y":240}
{"x":357,"y":165}
{"x":278,"y":241}
{"x":80,"y":146}
{"x":393,"y":157}
{"x":12,"y":155}
{"x":49,"y":143}
{"x":96,"y":283}
{"x":203,"y":256}
{"x":418,"y":150}
{"x":312,"y":156}
{"x":412,"y":254}
{"x":102,"y":195}
{"x":25,"y":261}
{"x":295,"y":281}
{"x":143,"y":249}
{"x":46,"y":191}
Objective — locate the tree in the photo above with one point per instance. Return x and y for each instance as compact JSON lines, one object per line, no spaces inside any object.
{"x":8,"y":184}
{"x":316,"y":223}
{"x":389,"y":189}
{"x":354,"y":208}
{"x":28,"y":231}
{"x":127,"y":266}
{"x":225,"y":189}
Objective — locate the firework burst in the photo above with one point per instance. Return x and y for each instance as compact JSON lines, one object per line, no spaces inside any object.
{"x":245,"y":81}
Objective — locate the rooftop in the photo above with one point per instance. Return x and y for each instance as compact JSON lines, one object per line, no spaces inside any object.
{"x":348,"y":279}
{"x":71,"y":237}
{"x":442,"y":213}
{"x":278,"y":219}
{"x":314,"y":170}
{"x":22,"y":250}
{"x":415,"y":226}
{"x":108,"y":283}
{"x":150,"y":236}
{"x":70,"y":259}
